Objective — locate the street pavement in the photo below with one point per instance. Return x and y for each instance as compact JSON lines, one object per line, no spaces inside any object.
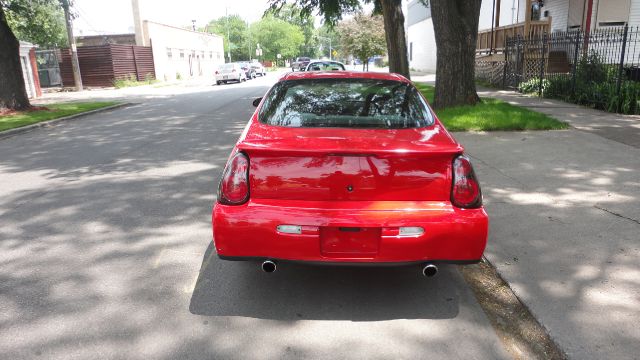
{"x":105,"y":253}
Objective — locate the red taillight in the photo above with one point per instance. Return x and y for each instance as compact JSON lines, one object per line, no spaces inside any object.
{"x":465,"y":192}
{"x":234,"y":186}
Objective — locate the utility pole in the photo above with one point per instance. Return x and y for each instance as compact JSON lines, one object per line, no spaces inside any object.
{"x":249,"y":36}
{"x":77,"y":79}
{"x":226,"y":10}
{"x":330,"y":48}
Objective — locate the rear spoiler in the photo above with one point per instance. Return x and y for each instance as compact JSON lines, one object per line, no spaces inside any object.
{"x":275,"y":148}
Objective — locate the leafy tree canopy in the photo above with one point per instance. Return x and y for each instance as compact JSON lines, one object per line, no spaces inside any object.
{"x":363,"y":36}
{"x":37,"y":21}
{"x":277,"y":36}
{"x":330,"y":10}
{"x":305,"y":21}
{"x":238,"y":35}
{"x":326,"y":33}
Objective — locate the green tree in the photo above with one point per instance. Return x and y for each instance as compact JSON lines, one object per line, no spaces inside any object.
{"x":363,"y":36}
{"x":277,"y":36}
{"x":391,"y":10}
{"x":326,"y":33}
{"x":25,"y":18}
{"x":39,"y":22}
{"x":236,"y":38}
{"x":305,"y":21}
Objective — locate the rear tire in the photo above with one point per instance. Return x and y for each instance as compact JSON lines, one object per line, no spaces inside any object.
{"x":218,"y":82}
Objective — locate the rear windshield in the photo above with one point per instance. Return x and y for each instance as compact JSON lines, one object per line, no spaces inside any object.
{"x":350,"y":103}
{"x":226,"y":67}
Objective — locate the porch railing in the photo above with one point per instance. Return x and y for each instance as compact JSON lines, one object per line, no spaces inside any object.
{"x":598,"y":68}
{"x":493,"y":41}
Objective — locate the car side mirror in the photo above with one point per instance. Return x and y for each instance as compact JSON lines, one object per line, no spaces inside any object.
{"x":256,"y":101}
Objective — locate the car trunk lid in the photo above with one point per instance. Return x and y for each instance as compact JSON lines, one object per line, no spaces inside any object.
{"x":350,"y":164}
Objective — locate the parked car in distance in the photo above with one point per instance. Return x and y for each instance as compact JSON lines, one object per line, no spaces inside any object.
{"x":230,"y":72}
{"x":250,"y":73}
{"x":348,"y":167}
{"x":258,"y":69}
{"x":300,"y":64}
{"x":325,"y":65}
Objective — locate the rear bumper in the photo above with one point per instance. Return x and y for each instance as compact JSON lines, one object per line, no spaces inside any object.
{"x":229,"y":77}
{"x":450,"y":234}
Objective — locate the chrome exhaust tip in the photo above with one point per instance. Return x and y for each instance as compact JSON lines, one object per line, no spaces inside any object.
{"x":429,"y":270}
{"x":268,"y":266}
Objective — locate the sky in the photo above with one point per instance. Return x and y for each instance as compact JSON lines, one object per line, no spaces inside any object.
{"x":98,"y":17}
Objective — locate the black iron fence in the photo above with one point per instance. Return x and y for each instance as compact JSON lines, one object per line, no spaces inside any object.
{"x":600,"y":68}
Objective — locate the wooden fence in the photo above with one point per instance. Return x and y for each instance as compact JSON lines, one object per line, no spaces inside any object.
{"x":101,"y":65}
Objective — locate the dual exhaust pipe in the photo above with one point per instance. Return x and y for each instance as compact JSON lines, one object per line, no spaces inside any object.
{"x":269,"y":266}
{"x":429,"y":270}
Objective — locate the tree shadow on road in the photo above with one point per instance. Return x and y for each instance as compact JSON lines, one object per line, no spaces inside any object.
{"x":297,"y":291}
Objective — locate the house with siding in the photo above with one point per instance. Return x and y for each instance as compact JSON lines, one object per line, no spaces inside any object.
{"x":500,"y":19}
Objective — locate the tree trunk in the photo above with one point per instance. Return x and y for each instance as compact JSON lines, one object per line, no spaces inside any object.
{"x":394,"y":33}
{"x":13,"y":94}
{"x":455,"y":24}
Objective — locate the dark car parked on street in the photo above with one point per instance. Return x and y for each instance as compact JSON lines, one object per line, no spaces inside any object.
{"x":249,"y":71}
{"x":300,"y":64}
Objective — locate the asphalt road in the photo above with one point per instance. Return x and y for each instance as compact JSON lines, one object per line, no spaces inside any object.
{"x":105,"y":253}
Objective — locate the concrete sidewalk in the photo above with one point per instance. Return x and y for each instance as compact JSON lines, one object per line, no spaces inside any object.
{"x":621,"y":128}
{"x":565,"y":232}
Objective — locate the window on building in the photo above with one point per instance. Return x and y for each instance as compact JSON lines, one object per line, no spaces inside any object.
{"x":613,"y":13}
{"x":181,"y":54}
{"x":169,"y":54}
{"x":210,"y":54}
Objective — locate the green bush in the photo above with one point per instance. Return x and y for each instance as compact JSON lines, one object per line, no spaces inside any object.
{"x":596,"y":86}
{"x":533,"y":86}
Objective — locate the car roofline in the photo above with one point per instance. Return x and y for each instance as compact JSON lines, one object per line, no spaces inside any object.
{"x":343,"y":75}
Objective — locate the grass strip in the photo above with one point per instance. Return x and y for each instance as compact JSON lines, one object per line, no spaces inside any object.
{"x":491,"y":115}
{"x":50,"y":112}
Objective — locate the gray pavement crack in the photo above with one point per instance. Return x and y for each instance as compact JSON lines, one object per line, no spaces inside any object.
{"x":616,"y":214}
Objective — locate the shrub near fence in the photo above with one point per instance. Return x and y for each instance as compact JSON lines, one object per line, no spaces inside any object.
{"x":600,"y":68}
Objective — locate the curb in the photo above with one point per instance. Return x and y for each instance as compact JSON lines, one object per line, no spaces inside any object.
{"x":16,"y":131}
{"x":521,"y":333}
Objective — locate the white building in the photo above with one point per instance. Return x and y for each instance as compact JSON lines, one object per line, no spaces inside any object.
{"x":178,"y":52}
{"x":421,"y":41}
{"x":30,"y":75}
{"x":182,"y":53}
{"x":508,"y":17}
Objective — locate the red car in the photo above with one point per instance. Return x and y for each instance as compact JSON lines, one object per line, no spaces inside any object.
{"x":344,"y":168}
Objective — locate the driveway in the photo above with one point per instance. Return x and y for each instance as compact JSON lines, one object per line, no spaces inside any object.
{"x":105,"y":253}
